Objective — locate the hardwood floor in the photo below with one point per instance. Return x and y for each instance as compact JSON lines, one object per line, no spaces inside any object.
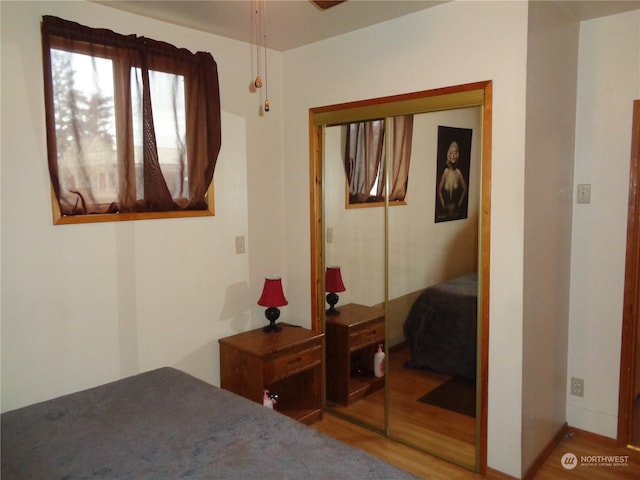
{"x":585,"y":444}
{"x":450,"y":434}
{"x":425,"y":466}
{"x":459,"y":430}
{"x":413,"y":461}
{"x":444,"y":432}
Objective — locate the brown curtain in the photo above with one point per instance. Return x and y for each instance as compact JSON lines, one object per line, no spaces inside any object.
{"x":402,"y":128}
{"x":108,"y":149}
{"x":364,"y":150}
{"x":364,"y":159}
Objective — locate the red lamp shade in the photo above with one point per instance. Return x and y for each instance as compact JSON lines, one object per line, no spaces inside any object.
{"x":272,"y":294}
{"x":333,"y":280}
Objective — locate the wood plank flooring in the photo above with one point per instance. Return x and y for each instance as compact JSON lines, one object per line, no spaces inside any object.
{"x":444,"y":432}
{"x":461,"y":430}
{"x":428,"y":467}
{"x":413,"y":461}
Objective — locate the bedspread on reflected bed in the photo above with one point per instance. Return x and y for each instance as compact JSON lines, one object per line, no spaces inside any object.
{"x":441,"y":328}
{"x":165,"y":424}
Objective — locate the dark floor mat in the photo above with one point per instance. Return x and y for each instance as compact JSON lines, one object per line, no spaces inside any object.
{"x":456,"y":394}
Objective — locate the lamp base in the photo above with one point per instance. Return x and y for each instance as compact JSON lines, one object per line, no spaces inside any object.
{"x":332,"y":299}
{"x":272,"y":328}
{"x":272,"y":314}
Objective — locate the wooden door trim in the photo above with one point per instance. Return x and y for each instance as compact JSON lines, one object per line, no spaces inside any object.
{"x":631,"y":288}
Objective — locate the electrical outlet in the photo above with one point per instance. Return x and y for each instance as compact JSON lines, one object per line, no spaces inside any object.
{"x":577,"y":387}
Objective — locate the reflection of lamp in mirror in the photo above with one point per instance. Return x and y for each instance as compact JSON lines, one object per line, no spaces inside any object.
{"x":272,"y":297}
{"x":332,"y":284}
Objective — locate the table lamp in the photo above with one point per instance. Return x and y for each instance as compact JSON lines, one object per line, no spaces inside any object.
{"x":272,"y":297}
{"x":332,"y":284}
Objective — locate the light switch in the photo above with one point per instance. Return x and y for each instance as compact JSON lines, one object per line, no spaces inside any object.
{"x":584,"y":193}
{"x":240,"y":244}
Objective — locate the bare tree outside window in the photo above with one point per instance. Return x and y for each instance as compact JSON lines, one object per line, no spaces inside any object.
{"x":85,"y":125}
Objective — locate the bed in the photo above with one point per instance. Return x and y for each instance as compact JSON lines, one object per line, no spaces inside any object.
{"x":165,"y":424}
{"x":441,"y":328}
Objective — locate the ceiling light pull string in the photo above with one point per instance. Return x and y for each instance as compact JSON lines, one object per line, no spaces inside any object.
{"x":258,"y":81}
{"x":266,"y":80}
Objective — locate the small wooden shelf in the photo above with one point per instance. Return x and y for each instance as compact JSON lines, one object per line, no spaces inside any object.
{"x":352,"y":340}
{"x":287,"y":363}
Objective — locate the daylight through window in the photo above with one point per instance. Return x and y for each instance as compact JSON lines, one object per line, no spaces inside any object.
{"x":133,"y":125}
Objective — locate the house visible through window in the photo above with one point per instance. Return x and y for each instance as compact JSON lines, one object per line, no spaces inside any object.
{"x":133,"y":125}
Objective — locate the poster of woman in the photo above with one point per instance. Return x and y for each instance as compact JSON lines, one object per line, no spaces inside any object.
{"x":452,"y":179}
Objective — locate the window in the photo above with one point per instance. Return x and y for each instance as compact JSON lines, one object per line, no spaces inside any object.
{"x":133,"y":125}
{"x":365,"y":160}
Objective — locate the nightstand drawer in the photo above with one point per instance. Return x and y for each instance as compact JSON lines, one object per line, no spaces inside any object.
{"x":371,"y":333}
{"x":292,"y":363}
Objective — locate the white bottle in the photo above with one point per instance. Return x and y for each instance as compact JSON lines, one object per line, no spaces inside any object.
{"x":378,"y":362}
{"x":266,"y":400}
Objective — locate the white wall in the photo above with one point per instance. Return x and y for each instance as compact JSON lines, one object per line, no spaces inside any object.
{"x":87,"y":304}
{"x":609,"y":81}
{"x":552,"y":59}
{"x":450,"y":44}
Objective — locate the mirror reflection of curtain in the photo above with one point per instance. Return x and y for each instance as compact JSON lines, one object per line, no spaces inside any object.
{"x":402,"y":128}
{"x":364,"y":149}
{"x":364,"y":159}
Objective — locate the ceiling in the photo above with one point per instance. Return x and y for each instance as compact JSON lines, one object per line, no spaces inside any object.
{"x":294,"y":23}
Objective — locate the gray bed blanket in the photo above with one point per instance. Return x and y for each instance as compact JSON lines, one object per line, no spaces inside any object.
{"x":165,"y":424}
{"x":441,"y":328}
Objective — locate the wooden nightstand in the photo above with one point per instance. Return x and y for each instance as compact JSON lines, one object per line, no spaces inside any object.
{"x":287,"y":363}
{"x":352,"y":340}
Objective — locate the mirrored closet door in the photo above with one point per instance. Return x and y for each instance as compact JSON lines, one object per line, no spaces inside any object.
{"x":408,"y":232}
{"x":354,"y":243}
{"x":432,"y":249}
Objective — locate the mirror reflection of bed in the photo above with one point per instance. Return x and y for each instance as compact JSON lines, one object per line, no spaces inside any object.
{"x":435,"y":368}
{"x":440,"y":328}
